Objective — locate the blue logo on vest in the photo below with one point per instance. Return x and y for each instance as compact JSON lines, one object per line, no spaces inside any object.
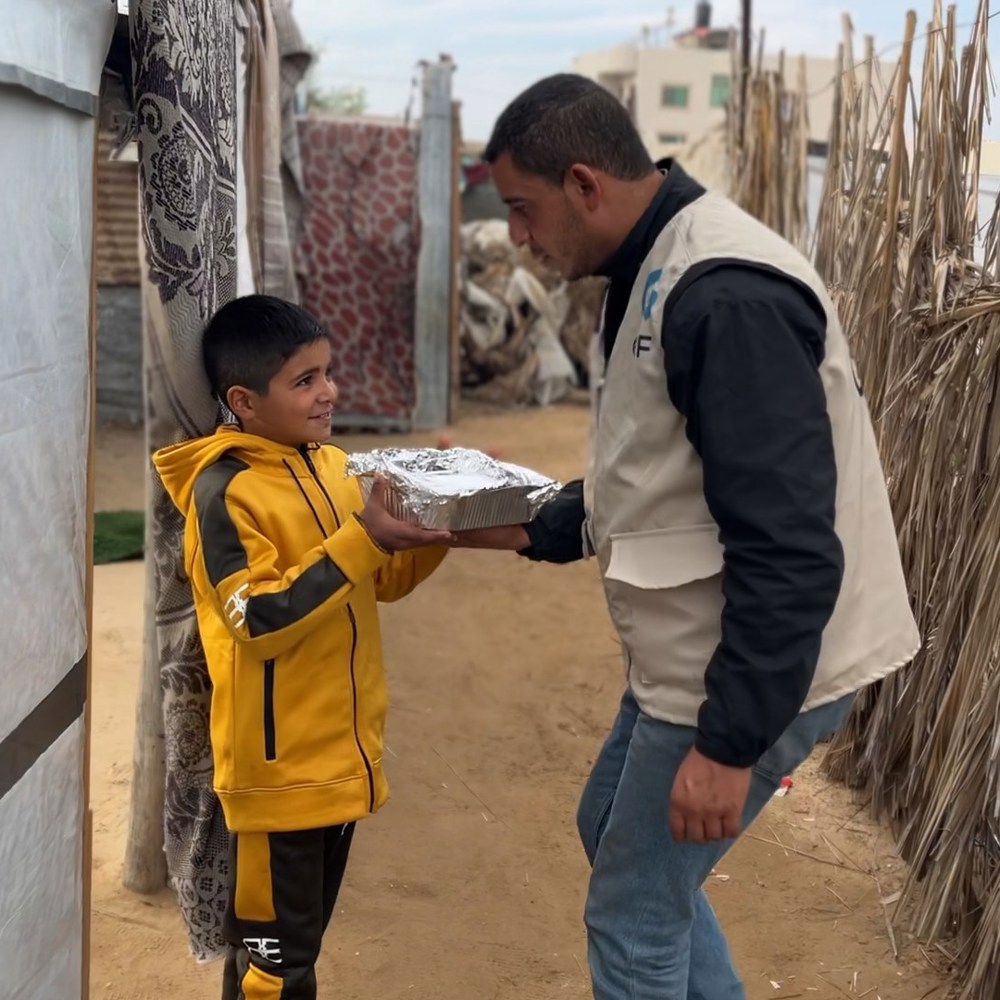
{"x":650,"y":294}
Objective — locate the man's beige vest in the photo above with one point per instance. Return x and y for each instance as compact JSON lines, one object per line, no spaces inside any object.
{"x":647,"y":519}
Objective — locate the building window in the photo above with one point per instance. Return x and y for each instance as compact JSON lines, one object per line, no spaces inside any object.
{"x":672,"y":138}
{"x":720,"y":90}
{"x":674,"y":97}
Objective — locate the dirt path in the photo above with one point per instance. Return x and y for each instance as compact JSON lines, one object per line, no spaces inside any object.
{"x":470,"y":884}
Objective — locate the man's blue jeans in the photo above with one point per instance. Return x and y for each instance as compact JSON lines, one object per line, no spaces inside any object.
{"x":651,"y":931}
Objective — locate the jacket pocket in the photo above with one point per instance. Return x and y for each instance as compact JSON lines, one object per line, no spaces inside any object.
{"x":665,"y":596}
{"x":270,"y":750}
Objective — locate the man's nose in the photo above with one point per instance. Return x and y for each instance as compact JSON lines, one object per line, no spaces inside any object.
{"x":519,"y":234}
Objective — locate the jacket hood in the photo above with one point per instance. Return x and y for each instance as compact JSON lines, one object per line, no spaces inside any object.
{"x":179,"y":465}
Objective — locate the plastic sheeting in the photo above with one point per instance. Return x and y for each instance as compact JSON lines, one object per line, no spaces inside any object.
{"x":44,"y":393}
{"x":55,"y":48}
{"x":51,"y":56}
{"x":41,"y":877}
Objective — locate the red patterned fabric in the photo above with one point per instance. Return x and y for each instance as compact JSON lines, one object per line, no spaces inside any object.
{"x":359,"y":250}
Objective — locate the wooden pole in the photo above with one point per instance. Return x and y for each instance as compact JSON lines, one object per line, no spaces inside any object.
{"x":745,"y":49}
{"x":432,"y":345}
{"x":88,"y":714}
{"x":145,"y":864}
{"x":145,"y":868}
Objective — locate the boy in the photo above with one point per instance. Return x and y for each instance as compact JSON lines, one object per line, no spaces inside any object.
{"x":286,"y":564}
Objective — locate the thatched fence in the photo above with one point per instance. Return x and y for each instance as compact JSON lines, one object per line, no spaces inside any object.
{"x":919,"y":295}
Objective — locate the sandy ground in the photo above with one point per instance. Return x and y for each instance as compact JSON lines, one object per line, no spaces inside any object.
{"x":470,"y":883}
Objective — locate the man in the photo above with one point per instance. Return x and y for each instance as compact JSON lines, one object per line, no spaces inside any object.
{"x":736,"y":506}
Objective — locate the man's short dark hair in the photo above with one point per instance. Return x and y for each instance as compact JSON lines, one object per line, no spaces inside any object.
{"x":248,"y":340}
{"x":567,"y":119}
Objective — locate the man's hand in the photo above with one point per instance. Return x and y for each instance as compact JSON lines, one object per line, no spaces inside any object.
{"x":508,"y":537}
{"x":392,"y":534}
{"x":707,"y":800}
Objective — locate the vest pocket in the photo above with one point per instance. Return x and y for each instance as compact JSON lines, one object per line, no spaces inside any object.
{"x":270,"y":751}
{"x":665,"y":596}
{"x":662,"y":558}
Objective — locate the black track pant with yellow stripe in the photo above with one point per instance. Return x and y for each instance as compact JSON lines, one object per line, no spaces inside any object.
{"x":283,"y":888}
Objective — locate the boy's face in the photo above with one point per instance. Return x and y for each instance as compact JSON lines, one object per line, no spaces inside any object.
{"x":299,"y":402}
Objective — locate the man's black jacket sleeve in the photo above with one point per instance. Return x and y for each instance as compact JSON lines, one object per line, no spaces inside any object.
{"x":556,"y":534}
{"x":743,"y":348}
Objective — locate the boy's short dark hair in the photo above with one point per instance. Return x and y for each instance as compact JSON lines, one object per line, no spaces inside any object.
{"x":248,"y":340}
{"x":567,"y":119}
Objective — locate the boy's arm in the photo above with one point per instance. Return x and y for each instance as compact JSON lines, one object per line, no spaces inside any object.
{"x":266,"y":610}
{"x":395,"y":579}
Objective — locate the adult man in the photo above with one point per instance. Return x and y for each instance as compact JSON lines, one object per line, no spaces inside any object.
{"x":736,"y":506}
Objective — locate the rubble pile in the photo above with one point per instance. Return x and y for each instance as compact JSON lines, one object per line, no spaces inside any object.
{"x":525,"y":333}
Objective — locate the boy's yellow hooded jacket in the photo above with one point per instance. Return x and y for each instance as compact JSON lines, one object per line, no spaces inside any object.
{"x":286,"y":579}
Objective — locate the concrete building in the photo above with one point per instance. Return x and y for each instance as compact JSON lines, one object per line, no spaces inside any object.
{"x":990,"y":163}
{"x":675,"y":94}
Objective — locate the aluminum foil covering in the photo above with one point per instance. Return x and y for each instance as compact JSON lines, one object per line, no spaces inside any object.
{"x":454,"y":489}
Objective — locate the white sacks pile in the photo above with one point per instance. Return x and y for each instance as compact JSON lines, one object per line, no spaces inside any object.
{"x":524,"y":331}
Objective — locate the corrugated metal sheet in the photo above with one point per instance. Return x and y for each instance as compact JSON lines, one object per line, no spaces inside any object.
{"x":117,"y":219}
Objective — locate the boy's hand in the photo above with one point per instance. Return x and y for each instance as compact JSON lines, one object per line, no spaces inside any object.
{"x":508,"y":537}
{"x":392,"y":534}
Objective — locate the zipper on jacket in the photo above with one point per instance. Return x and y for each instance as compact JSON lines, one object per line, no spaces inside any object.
{"x":270,"y":750}
{"x":354,"y":696}
{"x":354,"y":644}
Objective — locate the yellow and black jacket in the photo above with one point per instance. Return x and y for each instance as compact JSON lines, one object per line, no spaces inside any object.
{"x":285,"y":580}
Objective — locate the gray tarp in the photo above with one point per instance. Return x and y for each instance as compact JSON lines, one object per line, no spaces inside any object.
{"x":51,"y":56}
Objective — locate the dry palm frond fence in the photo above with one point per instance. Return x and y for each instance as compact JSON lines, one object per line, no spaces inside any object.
{"x":768,"y":156}
{"x":896,"y":242}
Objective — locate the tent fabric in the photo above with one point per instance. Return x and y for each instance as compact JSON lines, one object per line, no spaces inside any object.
{"x":50,"y":68}
{"x":41,"y":885}
{"x":55,"y":49}
{"x":295,"y":58}
{"x":271,"y":247}
{"x":44,"y":375}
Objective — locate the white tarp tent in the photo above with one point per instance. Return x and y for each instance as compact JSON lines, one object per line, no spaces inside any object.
{"x":51,"y":56}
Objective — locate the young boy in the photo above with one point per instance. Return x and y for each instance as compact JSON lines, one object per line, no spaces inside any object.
{"x":286,"y":564}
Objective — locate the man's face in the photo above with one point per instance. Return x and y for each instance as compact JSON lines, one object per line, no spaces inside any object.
{"x":543,"y":217}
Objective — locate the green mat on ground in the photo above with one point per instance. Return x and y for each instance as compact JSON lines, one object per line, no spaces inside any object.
{"x":118,"y":535}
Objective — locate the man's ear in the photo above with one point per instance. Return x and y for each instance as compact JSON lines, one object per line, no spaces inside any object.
{"x":583,"y":186}
{"x":240,"y":401}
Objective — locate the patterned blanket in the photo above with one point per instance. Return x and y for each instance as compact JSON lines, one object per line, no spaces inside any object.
{"x":185,"y":79}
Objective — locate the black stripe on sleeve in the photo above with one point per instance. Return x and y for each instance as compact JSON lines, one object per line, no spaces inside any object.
{"x":271,"y":612}
{"x":225,"y":555}
{"x":220,"y":539}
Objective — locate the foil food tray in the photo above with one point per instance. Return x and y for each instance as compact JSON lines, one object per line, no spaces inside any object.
{"x":455,"y":489}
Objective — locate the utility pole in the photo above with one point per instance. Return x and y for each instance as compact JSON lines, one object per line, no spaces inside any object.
{"x":744,"y":67}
